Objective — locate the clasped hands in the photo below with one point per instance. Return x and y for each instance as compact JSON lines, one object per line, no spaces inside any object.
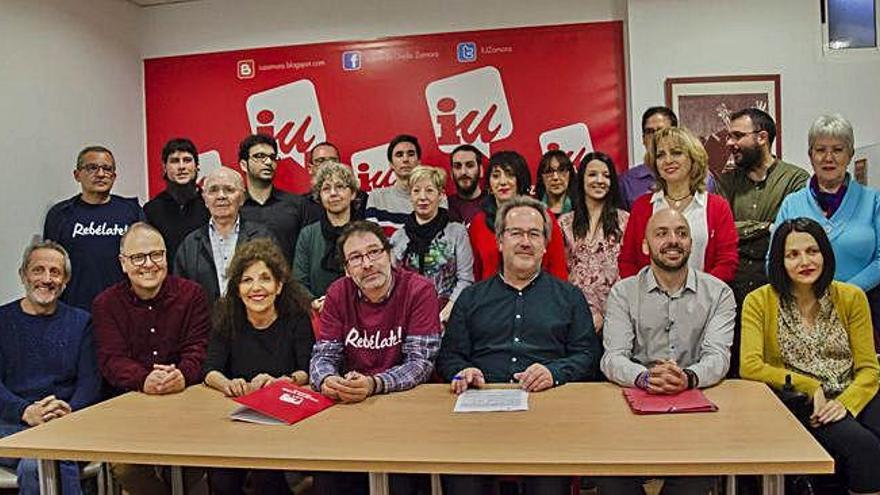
{"x":825,"y":411}
{"x":236,"y":387}
{"x":353,"y":387}
{"x":665,"y":377}
{"x":44,"y":410}
{"x":164,"y":379}
{"x":535,"y":378}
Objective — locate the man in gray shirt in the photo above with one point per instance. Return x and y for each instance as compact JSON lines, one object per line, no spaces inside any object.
{"x":667,"y":329}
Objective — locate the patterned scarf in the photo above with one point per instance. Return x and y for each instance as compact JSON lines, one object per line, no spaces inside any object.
{"x":421,"y":235}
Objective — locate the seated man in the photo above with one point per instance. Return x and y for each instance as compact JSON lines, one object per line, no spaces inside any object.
{"x":667,"y":329}
{"x":205,"y":254}
{"x":521,"y":325}
{"x":47,"y":358}
{"x":380,"y":332}
{"x":152,"y":332}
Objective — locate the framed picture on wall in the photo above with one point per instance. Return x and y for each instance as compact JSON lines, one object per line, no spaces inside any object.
{"x":704,"y":105}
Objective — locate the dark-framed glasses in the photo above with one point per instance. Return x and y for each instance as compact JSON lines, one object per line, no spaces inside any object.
{"x":93,"y":168}
{"x":139,"y":259}
{"x":263,"y":157}
{"x":357,"y":260}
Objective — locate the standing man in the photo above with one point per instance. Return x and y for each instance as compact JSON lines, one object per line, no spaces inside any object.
{"x":755,"y":190}
{"x":179,"y":209}
{"x":667,"y":329}
{"x":322,"y":154}
{"x":152,"y":333}
{"x":89,"y":226}
{"x":280,"y":211}
{"x":519,"y":326}
{"x":640,"y":179}
{"x":206,"y":253}
{"x":47,"y":358}
{"x":466,"y":166}
{"x":380,"y":332}
{"x":390,"y":206}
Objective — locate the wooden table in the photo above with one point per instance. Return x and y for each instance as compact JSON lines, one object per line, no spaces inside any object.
{"x":576,"y":429}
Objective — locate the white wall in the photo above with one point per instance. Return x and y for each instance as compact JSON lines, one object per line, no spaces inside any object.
{"x":217,"y":25}
{"x":70,"y":75}
{"x":678,"y":38}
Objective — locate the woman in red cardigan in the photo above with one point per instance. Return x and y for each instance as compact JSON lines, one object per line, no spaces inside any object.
{"x":680,"y":164}
{"x":508,"y":176}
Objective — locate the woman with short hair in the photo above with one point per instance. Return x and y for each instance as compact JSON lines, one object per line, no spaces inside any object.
{"x":813,"y":333}
{"x":555,"y":185}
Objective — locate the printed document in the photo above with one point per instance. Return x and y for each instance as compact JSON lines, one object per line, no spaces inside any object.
{"x":492,"y":400}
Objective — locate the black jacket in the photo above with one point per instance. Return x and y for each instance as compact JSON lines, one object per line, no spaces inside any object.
{"x":195,"y":258}
{"x":176,"y":221}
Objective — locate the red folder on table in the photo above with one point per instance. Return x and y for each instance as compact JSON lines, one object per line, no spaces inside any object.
{"x":687,"y":401}
{"x":280,"y":403}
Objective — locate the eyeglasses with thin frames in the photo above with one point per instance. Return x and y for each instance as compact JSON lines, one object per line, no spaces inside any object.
{"x":93,"y":168}
{"x":357,"y":260}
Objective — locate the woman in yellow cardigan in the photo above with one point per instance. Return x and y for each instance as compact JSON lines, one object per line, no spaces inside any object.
{"x":817,"y":331}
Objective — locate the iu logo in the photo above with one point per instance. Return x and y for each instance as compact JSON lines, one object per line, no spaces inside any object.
{"x":246,"y":69}
{"x":573,"y":139}
{"x":290,"y":114}
{"x":469,"y":108}
{"x":372,"y":169}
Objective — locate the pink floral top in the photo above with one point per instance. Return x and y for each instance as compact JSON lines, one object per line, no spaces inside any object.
{"x":592,"y":263}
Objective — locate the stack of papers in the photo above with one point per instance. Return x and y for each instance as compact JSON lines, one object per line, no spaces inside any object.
{"x":492,"y":400}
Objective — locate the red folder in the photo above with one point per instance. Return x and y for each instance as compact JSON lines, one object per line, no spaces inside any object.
{"x":693,"y":400}
{"x":280,"y":403}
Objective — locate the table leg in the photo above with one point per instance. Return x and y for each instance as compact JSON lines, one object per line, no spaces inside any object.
{"x":176,"y":480}
{"x":773,"y":484}
{"x":379,"y":484}
{"x":436,"y":487}
{"x":730,"y":485}
{"x":47,"y":470}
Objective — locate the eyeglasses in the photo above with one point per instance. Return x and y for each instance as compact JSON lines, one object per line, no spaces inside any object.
{"x":92,"y":168}
{"x":549,"y":172}
{"x":262,"y":157}
{"x":532,"y":235}
{"x":737,"y":135}
{"x":139,"y":259}
{"x":357,"y":260}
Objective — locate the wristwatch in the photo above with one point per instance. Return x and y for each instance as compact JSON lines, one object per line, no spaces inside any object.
{"x":693,"y":380}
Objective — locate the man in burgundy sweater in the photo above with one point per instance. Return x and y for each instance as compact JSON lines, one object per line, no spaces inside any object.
{"x":380,"y":333}
{"x":151,"y":332}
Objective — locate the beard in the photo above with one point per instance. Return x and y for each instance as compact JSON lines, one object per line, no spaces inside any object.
{"x":670,"y":267}
{"x":750,"y":158}
{"x":466,"y":191}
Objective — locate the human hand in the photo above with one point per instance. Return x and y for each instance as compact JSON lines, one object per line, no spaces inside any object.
{"x":356,"y":387}
{"x":33,"y":413}
{"x":535,"y":378}
{"x":235,"y":387}
{"x":153,"y":381}
{"x":831,"y":412}
{"x":173,"y":381}
{"x":446,"y":312}
{"x":598,"y":322}
{"x":665,"y":377}
{"x":260,"y":381}
{"x":318,"y":304}
{"x":468,"y":377}
{"x":299,"y":377}
{"x":56,"y":408}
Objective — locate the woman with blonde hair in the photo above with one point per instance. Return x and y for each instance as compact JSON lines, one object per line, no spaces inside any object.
{"x":681,"y":164}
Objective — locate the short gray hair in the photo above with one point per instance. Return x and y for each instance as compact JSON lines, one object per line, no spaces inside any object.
{"x":138,"y":226}
{"x":833,"y":126}
{"x":517,"y":202}
{"x":38,"y":243}
{"x":334,"y":170}
{"x":225,"y":171}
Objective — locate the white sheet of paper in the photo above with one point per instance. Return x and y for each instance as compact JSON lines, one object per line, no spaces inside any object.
{"x":492,"y":400}
{"x":248,"y":415}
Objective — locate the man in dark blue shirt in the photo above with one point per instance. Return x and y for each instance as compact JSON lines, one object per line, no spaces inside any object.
{"x":47,"y":358}
{"x":520,"y":326}
{"x":89,"y":226}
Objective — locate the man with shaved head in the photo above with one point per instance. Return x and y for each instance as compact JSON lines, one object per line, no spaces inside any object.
{"x":151,"y":331}
{"x":205,"y":253}
{"x":667,"y":329}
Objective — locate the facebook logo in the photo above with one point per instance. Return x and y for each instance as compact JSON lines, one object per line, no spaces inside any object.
{"x":466,"y":51}
{"x":351,"y":60}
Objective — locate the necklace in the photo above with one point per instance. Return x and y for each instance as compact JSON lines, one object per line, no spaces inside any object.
{"x":676,"y":202}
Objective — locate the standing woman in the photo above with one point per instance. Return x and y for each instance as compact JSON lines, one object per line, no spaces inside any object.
{"x":316,"y":263}
{"x":816,"y":333}
{"x":593,"y":232}
{"x":261,"y":333}
{"x":555,"y":187}
{"x":848,"y":211}
{"x":430,"y":244}
{"x":680,"y":164}
{"x":508,"y":176}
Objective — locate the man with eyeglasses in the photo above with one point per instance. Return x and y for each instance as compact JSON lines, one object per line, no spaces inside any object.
{"x":667,"y":329}
{"x":380,"y":332}
{"x":639,"y":179}
{"x":205,"y":254}
{"x":151,"y":332}
{"x":755,"y":190}
{"x":89,"y":226}
{"x":520,"y":326}
{"x":281,"y":212}
{"x":179,"y":209}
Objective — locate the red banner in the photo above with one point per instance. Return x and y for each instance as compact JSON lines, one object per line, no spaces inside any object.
{"x":525,"y":89}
